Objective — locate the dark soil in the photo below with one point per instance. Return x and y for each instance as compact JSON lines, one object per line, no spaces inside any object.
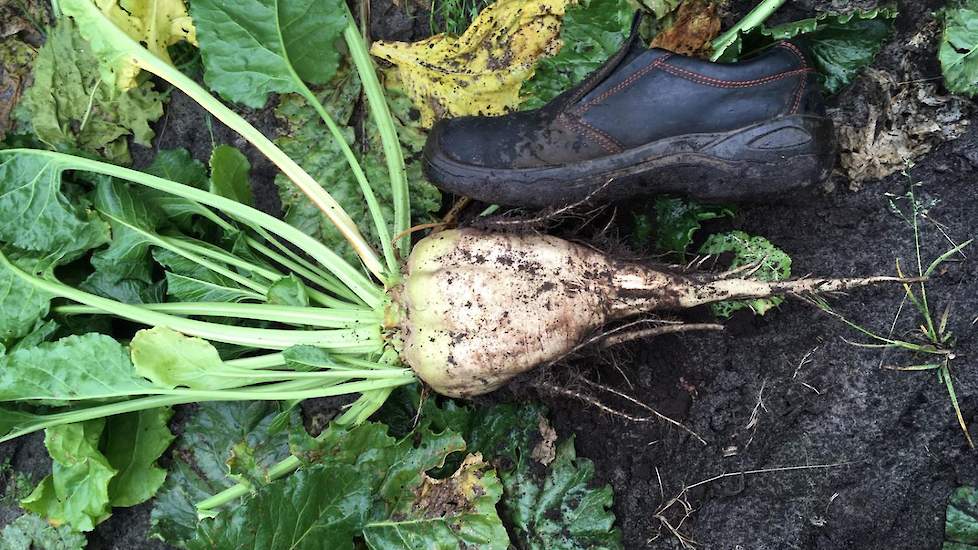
{"x":890,"y":445}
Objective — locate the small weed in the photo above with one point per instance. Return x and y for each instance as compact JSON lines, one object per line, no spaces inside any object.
{"x":454,"y":16}
{"x":932,"y":341}
{"x":16,"y":485}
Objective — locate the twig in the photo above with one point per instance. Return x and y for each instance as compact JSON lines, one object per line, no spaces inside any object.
{"x":452,"y":215}
{"x":656,"y":413}
{"x":658,"y":331}
{"x":556,"y":213}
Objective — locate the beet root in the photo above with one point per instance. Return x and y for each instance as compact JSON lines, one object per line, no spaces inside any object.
{"x":478,"y":308}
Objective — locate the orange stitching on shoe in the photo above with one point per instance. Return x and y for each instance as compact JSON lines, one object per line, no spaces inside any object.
{"x":602,"y":139}
{"x":718,"y":83}
{"x":799,"y":93}
{"x":794,"y":49}
{"x":622,"y":85}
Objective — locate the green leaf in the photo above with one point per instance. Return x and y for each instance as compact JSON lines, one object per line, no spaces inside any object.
{"x":229,"y":175}
{"x":134,"y":220}
{"x":252,"y":48}
{"x":41,"y":332}
{"x":21,"y":304}
{"x":127,"y":291}
{"x":288,"y":291}
{"x":133,"y":443}
{"x":200,"y":469}
{"x":177,"y":165}
{"x":320,"y":507}
{"x":92,"y":366}
{"x":773,"y":264}
{"x":961,"y":523}
{"x":77,"y":491}
{"x":677,"y":221}
{"x":959,"y":47}
{"x":840,"y":44}
{"x":30,"y":532}
{"x":36,"y":215}
{"x":70,"y":107}
{"x":592,"y":31}
{"x":171,"y":359}
{"x":187,"y":281}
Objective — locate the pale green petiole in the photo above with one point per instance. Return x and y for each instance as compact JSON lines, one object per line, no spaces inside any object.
{"x":370,"y":293}
{"x":756,"y":16}
{"x":381,"y":114}
{"x":351,"y":340}
{"x":310,"y":316}
{"x":304,"y":389}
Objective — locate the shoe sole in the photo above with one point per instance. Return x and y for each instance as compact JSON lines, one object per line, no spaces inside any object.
{"x":771,"y":160}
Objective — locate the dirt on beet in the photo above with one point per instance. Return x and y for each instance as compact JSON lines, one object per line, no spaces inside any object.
{"x":810,"y":443}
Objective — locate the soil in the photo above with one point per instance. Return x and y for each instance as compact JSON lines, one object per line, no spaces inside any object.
{"x":838,"y":452}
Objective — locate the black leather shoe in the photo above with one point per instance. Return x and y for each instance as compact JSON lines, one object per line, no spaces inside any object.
{"x":649,"y":121}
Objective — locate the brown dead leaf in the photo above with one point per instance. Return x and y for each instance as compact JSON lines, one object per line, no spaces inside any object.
{"x":900,"y":121}
{"x":696,"y":24}
{"x":22,"y":17}
{"x":545,"y":451}
{"x":455,"y":495}
{"x":15,"y":71}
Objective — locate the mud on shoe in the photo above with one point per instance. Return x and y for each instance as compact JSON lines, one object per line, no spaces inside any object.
{"x":648,"y":121}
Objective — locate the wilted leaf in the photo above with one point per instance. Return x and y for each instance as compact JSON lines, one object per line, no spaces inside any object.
{"x":156,"y":24}
{"x":30,"y":532}
{"x":771,"y":263}
{"x":200,"y":461}
{"x":77,"y":491}
{"x":556,"y":506}
{"x":904,"y":117}
{"x":592,"y":30}
{"x":69,"y":106}
{"x":16,"y":58}
{"x":481,"y":71}
{"x":456,"y":512}
{"x":959,"y":47}
{"x":961,"y":521}
{"x":840,"y":44}
{"x":308,"y":142}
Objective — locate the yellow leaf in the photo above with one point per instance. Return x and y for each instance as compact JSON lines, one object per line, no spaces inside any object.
{"x":481,"y":71}
{"x":156,"y":24}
